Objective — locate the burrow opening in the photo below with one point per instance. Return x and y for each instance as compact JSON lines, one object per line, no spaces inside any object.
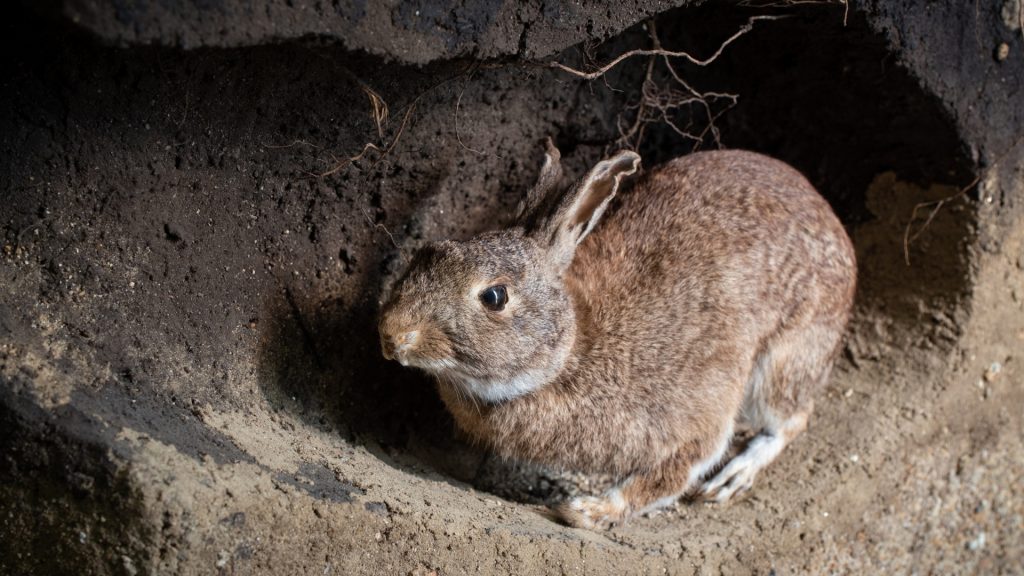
{"x":826,"y":96}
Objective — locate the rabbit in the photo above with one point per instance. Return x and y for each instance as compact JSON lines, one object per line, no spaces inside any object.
{"x":631,"y":335}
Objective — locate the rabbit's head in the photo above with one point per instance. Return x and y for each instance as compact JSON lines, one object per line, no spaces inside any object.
{"x":491,"y":314}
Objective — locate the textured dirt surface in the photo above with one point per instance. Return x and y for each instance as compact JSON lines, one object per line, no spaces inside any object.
{"x":411,"y":32}
{"x":189,"y":272}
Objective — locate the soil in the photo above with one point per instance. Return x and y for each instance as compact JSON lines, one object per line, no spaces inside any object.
{"x":190,"y":380}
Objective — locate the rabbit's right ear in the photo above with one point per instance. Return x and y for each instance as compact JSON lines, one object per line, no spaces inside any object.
{"x":562,"y":221}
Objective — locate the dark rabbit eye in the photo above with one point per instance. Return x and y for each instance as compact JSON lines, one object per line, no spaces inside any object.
{"x":494,"y":297}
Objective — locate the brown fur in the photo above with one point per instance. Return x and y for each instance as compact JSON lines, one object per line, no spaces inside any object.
{"x":717,"y":289}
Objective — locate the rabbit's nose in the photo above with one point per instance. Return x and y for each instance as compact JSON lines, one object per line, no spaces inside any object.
{"x":396,"y":346}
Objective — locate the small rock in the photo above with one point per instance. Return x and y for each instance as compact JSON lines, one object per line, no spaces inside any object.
{"x":1002,"y":51}
{"x":993,"y":371}
{"x":222,"y":558}
{"x":978,"y":543}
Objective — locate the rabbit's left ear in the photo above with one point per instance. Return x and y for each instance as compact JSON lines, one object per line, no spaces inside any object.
{"x":547,"y":182}
{"x":574,"y":215}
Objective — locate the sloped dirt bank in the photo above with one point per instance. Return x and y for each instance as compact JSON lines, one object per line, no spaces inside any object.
{"x":190,"y":270}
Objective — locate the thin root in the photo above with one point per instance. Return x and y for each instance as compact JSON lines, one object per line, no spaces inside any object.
{"x":936,"y":205}
{"x":659,"y":104}
{"x":668,"y":53}
{"x":382,"y":152}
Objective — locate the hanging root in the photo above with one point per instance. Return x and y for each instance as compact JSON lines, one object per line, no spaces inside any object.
{"x":934,"y":206}
{"x":658,"y":103}
{"x":342,"y":163}
{"x":658,"y":51}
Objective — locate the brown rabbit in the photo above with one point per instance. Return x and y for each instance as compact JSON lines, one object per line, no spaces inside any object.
{"x":715,"y":292}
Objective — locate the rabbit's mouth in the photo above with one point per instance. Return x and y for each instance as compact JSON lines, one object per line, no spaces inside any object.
{"x":408,"y":354}
{"x":434,"y":366}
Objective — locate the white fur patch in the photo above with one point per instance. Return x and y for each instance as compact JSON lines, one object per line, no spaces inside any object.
{"x":738,"y":475}
{"x":494,"y":391}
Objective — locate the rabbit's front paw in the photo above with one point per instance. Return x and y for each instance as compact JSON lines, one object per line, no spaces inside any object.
{"x":595,"y":512}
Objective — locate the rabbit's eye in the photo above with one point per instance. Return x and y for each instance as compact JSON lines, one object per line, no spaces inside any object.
{"x":495,"y":297}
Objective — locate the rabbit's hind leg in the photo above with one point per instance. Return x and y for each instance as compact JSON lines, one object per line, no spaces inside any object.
{"x":635,"y":495}
{"x":738,"y":475}
{"x":777,"y":404}
{"x":645,"y":491}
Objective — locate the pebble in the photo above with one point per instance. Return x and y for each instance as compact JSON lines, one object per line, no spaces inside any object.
{"x":1002,"y":51}
{"x":993,"y":371}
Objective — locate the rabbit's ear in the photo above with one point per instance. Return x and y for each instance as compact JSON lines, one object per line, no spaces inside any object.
{"x":568,"y":220}
{"x":547,"y":181}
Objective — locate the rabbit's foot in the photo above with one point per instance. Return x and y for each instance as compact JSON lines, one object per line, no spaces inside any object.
{"x":595,"y":512}
{"x":738,"y":475}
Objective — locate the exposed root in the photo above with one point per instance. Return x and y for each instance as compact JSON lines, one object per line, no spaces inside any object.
{"x":342,"y":163}
{"x":788,"y":3}
{"x":380,"y":109}
{"x":458,"y":103}
{"x":935,"y":205}
{"x":380,"y":114}
{"x":386,"y":231}
{"x":661,"y":103}
{"x":657,"y":51}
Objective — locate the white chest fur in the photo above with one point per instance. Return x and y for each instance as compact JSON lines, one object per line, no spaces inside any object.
{"x":494,"y":391}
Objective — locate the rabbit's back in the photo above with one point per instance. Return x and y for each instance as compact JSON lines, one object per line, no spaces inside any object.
{"x":696,"y":267}
{"x":719,"y":215}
